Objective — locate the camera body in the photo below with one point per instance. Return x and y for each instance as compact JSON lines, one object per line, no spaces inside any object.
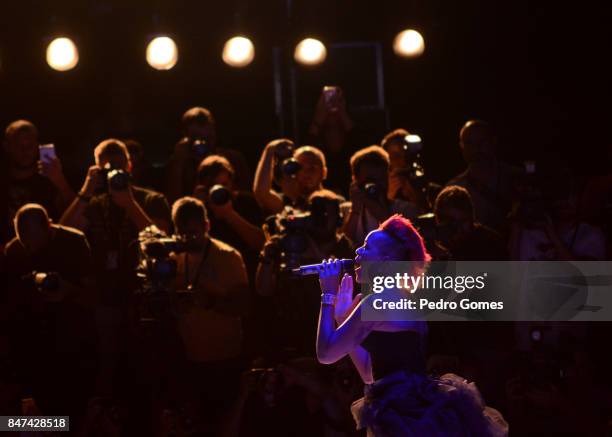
{"x":415,"y":171}
{"x":114,"y":179}
{"x":44,"y":282}
{"x":290,"y":167}
{"x":372,"y":190}
{"x":219,"y":195}
{"x":157,"y":264}
{"x":284,"y":163}
{"x":157,"y":272}
{"x":118,"y":180}
{"x":200,"y":147}
{"x":292,"y":226}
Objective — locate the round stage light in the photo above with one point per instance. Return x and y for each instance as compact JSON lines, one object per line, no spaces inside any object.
{"x":162,"y":53}
{"x":409,"y":44}
{"x":238,"y":52}
{"x":62,"y":54}
{"x":310,"y":51}
{"x":413,"y":139}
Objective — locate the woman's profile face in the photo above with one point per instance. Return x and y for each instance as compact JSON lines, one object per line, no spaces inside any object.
{"x":377,"y":246}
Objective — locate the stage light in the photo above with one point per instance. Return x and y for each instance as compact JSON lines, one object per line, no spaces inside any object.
{"x":162,"y":53}
{"x":238,"y":52}
{"x":409,"y":44}
{"x":413,"y":139}
{"x":310,"y":51}
{"x":62,"y":54}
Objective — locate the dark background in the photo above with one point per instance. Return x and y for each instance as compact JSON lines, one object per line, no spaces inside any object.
{"x":538,"y":72}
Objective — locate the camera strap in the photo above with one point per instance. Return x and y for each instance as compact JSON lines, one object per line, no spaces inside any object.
{"x":205,"y":251}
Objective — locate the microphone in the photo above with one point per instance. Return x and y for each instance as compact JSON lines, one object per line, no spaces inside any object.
{"x":311,"y":269}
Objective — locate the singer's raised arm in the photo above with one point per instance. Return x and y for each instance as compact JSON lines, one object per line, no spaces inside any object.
{"x":335,"y":343}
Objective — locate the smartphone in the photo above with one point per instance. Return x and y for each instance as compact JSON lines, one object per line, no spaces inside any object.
{"x":330,"y":93}
{"x":47,"y":152}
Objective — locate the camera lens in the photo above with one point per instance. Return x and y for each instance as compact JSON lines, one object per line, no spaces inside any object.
{"x":371,"y":189}
{"x":200,"y":147}
{"x":291,"y":167}
{"x":219,"y":195}
{"x":46,"y":281}
{"x":118,"y":180}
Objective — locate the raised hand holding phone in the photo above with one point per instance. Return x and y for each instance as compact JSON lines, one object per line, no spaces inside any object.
{"x":49,"y":165}
{"x":47,"y":152}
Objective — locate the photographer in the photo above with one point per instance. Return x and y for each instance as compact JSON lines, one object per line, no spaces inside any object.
{"x":26,"y":179}
{"x":305,"y":239}
{"x":459,"y":236}
{"x":199,"y":140}
{"x":297,"y":177}
{"x":235,"y":218}
{"x":402,"y":156}
{"x":111,"y":211}
{"x":369,"y":202}
{"x":490,"y":181}
{"x":269,"y":171}
{"x":556,"y":232}
{"x":51,"y":298}
{"x":211,"y":325}
{"x":333,"y":129}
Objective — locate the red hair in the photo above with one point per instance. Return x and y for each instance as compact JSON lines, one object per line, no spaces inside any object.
{"x":403,"y":231}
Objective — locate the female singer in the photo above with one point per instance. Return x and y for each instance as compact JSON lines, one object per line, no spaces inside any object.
{"x":400,"y":399}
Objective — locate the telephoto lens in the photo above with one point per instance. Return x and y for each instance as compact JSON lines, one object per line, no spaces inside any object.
{"x":371,"y":189}
{"x":291,"y":167}
{"x":199,"y":147}
{"x":219,"y":195}
{"x":46,"y":281}
{"x":118,"y":180}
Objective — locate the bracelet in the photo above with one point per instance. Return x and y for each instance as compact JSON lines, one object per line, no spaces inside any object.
{"x":328,"y":299}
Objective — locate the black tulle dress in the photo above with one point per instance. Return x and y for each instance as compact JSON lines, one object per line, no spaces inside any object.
{"x":404,"y":401}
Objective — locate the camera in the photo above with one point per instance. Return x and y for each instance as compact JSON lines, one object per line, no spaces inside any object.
{"x":372,"y":190}
{"x":414,"y":172}
{"x":292,"y":226}
{"x":44,"y":281}
{"x":219,"y":195}
{"x":200,"y":147}
{"x":284,"y":163}
{"x":157,"y":272}
{"x":157,"y":264}
{"x":114,"y":179}
{"x":118,"y":180}
{"x":290,"y":167}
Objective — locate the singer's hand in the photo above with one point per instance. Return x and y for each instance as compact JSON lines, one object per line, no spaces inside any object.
{"x":329,"y":275}
{"x":345,"y":304}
